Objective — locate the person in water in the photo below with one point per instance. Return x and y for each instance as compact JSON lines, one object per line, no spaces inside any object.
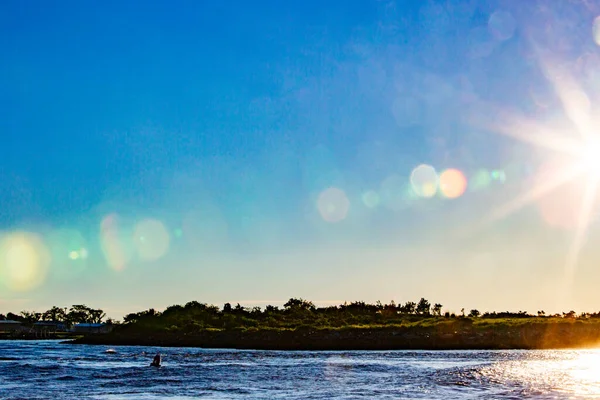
{"x":156,"y":361}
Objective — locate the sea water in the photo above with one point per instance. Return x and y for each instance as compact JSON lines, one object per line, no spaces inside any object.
{"x":51,"y":370}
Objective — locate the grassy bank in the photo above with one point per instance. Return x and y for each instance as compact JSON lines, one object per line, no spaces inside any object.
{"x":425,"y":333}
{"x":299,"y":324}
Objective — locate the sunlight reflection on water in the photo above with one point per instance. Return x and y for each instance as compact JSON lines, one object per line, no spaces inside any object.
{"x":573,"y":373}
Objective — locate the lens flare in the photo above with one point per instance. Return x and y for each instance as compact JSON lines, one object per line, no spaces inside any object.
{"x":111,"y":240}
{"x":333,"y":205}
{"x":24,"y":261}
{"x":499,"y":175}
{"x":151,"y":239}
{"x":370,"y":199}
{"x":502,"y":25}
{"x":596,"y":30}
{"x":424,"y":181}
{"x":67,"y":244}
{"x":481,"y":43}
{"x":452,"y":183}
{"x":480,"y":180}
{"x":80,"y":254}
{"x":83,"y":253}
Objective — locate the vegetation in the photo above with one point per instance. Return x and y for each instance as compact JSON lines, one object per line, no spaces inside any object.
{"x":76,"y":314}
{"x":299,"y":324}
{"x":300,"y":313}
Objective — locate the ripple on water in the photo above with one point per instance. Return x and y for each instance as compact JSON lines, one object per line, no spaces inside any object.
{"x":67,"y":371}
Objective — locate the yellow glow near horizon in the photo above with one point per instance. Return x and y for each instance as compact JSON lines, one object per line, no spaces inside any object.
{"x":24,"y":261}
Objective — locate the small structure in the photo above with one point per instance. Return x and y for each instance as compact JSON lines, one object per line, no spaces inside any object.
{"x":91,"y":328}
{"x":8,"y":325}
{"x":49,"y":326}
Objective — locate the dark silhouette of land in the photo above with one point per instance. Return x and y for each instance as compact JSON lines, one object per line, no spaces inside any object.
{"x":300,"y":325}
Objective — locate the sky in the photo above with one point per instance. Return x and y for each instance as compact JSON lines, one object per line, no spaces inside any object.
{"x":154,"y":153}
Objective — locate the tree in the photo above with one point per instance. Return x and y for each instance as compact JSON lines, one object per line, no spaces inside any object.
{"x":239,"y":309}
{"x":437,"y":309}
{"x":271,"y":309}
{"x":81,"y":313}
{"x":56,"y":314}
{"x":96,"y":316}
{"x":299,"y":304}
{"x":541,"y":313}
{"x":78,"y":313}
{"x":423,"y":307}
{"x":131,"y":317}
{"x":30,"y":317}
{"x":14,"y":317}
{"x":474,"y":313}
{"x":408,"y":308}
{"x":136,"y":317}
{"x":227,"y":308}
{"x":390,"y":310}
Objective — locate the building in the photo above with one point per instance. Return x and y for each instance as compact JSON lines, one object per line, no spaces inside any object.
{"x":8,"y":325}
{"x":50,"y":326}
{"x":91,"y":328}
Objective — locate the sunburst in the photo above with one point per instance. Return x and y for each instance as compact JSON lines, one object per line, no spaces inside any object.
{"x":578,"y":143}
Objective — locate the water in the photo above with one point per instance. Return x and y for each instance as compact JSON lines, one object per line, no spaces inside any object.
{"x":50,"y":370}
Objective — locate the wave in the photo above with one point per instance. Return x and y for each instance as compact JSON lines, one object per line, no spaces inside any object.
{"x":67,"y":378}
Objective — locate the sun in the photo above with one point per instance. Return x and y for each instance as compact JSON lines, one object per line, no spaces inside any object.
{"x":576,"y":148}
{"x":590,"y":157}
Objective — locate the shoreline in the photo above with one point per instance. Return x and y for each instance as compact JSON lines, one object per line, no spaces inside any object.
{"x":357,"y":339}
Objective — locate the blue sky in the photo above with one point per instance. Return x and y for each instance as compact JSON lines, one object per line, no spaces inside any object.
{"x":254,"y":152}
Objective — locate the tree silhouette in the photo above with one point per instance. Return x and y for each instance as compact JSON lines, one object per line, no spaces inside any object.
{"x":56,"y":314}
{"x":408,"y":308}
{"x":271,"y":309}
{"x":299,"y":304}
{"x":79,"y":313}
{"x":30,"y":317}
{"x":423,"y":307}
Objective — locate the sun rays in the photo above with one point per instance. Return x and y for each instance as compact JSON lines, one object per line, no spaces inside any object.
{"x":572,"y":144}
